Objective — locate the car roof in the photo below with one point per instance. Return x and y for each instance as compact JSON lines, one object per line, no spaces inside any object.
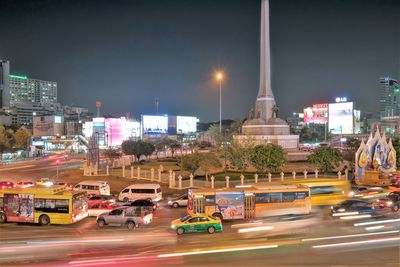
{"x":144,"y":186}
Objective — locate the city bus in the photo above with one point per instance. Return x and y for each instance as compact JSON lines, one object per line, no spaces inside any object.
{"x":255,"y":201}
{"x":42,"y":204}
{"x":324,"y":191}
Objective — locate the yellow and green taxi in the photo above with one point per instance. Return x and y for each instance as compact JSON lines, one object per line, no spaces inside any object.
{"x":197,"y":223}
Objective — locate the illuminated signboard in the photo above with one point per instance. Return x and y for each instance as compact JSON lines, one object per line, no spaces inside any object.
{"x":115,"y":131}
{"x":318,"y":113}
{"x":99,"y":129}
{"x":57,"y":119}
{"x":341,"y":118}
{"x":154,"y":124}
{"x":186,"y":124}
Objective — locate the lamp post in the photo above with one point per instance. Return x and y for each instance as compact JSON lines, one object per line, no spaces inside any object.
{"x":58,"y":163}
{"x":219,"y":77}
{"x":225,"y":145}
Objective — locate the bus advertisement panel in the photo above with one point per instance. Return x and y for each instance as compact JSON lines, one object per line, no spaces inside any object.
{"x":230,"y":204}
{"x":18,"y":207}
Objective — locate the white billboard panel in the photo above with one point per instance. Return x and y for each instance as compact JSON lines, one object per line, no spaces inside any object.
{"x":341,"y":118}
{"x":154,"y":124}
{"x":186,"y":124}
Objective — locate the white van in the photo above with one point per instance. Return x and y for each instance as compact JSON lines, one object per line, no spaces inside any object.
{"x":141,"y":191}
{"x":94,"y":187}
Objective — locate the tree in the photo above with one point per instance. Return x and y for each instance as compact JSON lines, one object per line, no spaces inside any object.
{"x":149,"y":148}
{"x":325,"y":158}
{"x":226,"y":133}
{"x":137,"y":148}
{"x":160,"y":145}
{"x":4,"y":142}
{"x":110,"y":154}
{"x":173,"y":146}
{"x":269,"y":156}
{"x":208,"y":161}
{"x":238,"y":156}
{"x":396,"y":145}
{"x":22,"y":138}
{"x":191,"y":162}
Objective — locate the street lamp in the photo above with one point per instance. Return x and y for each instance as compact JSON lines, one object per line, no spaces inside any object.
{"x":58,"y":163}
{"x":219,"y":77}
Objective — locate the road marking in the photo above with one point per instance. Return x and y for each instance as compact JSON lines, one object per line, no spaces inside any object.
{"x":347,"y":236}
{"x":214,"y":251}
{"x":377,"y":222}
{"x":73,"y":241}
{"x":18,"y":167}
{"x":358,"y":242}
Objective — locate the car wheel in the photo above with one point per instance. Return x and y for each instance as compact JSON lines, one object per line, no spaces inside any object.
{"x":131,"y":225}
{"x":175,"y":205}
{"x":101,"y":223}
{"x":3,"y":217}
{"x":395,"y":208}
{"x":44,"y":220}
{"x":180,"y":231}
{"x":211,"y":230}
{"x":125,"y":199}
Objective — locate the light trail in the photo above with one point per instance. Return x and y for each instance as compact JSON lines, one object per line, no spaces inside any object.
{"x":374,"y":227}
{"x":73,"y":241}
{"x":214,"y":251}
{"x":344,"y":213}
{"x":347,"y":236}
{"x":354,"y":217}
{"x":376,"y":222}
{"x":359,"y":242}
{"x":245,"y":224}
{"x":255,"y":229}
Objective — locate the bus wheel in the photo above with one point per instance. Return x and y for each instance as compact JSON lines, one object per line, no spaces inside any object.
{"x":131,"y":225}
{"x":218,"y":215}
{"x":180,"y":231}
{"x":44,"y":220}
{"x":3,"y":217}
{"x":211,"y":230}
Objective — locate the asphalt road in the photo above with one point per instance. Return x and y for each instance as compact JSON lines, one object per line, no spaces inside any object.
{"x":330,"y":242}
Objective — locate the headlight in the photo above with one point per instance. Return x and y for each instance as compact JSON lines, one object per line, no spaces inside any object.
{"x":389,"y":203}
{"x":351,"y":194}
{"x":172,"y":226}
{"x":341,"y":210}
{"x":169,"y":202}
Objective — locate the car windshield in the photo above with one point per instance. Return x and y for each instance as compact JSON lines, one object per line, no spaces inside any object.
{"x":185,"y":218}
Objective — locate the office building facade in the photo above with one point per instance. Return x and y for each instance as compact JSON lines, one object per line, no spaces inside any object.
{"x":4,"y":83}
{"x":389,"y":102}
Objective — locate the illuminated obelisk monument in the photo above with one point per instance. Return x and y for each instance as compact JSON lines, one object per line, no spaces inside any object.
{"x":263,"y":124}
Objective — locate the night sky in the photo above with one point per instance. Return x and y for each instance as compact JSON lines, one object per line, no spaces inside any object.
{"x":127,"y":53}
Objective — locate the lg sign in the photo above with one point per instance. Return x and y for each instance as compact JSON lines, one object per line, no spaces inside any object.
{"x":340,"y":99}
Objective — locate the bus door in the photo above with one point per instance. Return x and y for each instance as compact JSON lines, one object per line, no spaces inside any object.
{"x":249,"y":206}
{"x":198,"y":204}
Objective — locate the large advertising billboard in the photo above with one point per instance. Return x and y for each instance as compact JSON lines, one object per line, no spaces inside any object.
{"x":341,"y":118}
{"x":18,"y":207}
{"x":154,"y":125}
{"x":230,"y":204}
{"x":99,"y":130}
{"x":186,"y":124}
{"x":115,"y":131}
{"x":318,"y":113}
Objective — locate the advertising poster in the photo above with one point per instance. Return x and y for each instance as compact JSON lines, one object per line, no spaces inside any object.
{"x":18,"y":207}
{"x":154,"y":124}
{"x":318,"y":113}
{"x":186,"y":124}
{"x":341,"y":118}
{"x":230,"y":204}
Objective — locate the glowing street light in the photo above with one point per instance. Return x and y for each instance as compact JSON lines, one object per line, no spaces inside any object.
{"x":219,"y":76}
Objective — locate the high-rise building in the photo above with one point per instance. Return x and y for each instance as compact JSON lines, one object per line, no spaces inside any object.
{"x":25,"y":91}
{"x":4,"y":83}
{"x":390,"y":98}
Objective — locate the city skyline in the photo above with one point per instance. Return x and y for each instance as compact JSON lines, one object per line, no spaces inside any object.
{"x":123,"y":53}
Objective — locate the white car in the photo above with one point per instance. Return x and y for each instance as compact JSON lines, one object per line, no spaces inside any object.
{"x":177,"y":202}
{"x":141,"y":191}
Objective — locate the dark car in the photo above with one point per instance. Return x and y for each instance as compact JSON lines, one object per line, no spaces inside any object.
{"x":390,"y":201}
{"x":146,"y":203}
{"x":353,"y":205}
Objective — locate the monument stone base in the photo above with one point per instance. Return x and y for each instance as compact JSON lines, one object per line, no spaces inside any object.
{"x":287,"y":142}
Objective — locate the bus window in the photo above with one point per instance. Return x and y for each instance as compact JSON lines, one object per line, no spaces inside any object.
{"x":210,"y":200}
{"x":301,"y":195}
{"x":262,"y":198}
{"x":288,"y":196}
{"x":319,"y":190}
{"x":276,"y":197}
{"x":52,"y":205}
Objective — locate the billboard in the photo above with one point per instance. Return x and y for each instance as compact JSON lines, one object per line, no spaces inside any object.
{"x":154,"y":125}
{"x":99,"y":130}
{"x":341,"y":118}
{"x":18,"y":207}
{"x":230,"y":204}
{"x":318,"y":113}
{"x":115,"y":131}
{"x":186,"y":124}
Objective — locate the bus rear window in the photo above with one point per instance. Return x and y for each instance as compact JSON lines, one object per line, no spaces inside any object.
{"x":210,"y":200}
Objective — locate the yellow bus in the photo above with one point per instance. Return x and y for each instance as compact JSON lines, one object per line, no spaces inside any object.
{"x":324,"y":191}
{"x":43,"y":205}
{"x":255,"y":201}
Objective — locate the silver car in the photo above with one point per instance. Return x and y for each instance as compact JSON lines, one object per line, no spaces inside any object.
{"x":131,"y":217}
{"x":181,"y":201}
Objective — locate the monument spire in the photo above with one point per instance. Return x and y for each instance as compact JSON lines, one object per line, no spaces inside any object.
{"x":265,"y":99}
